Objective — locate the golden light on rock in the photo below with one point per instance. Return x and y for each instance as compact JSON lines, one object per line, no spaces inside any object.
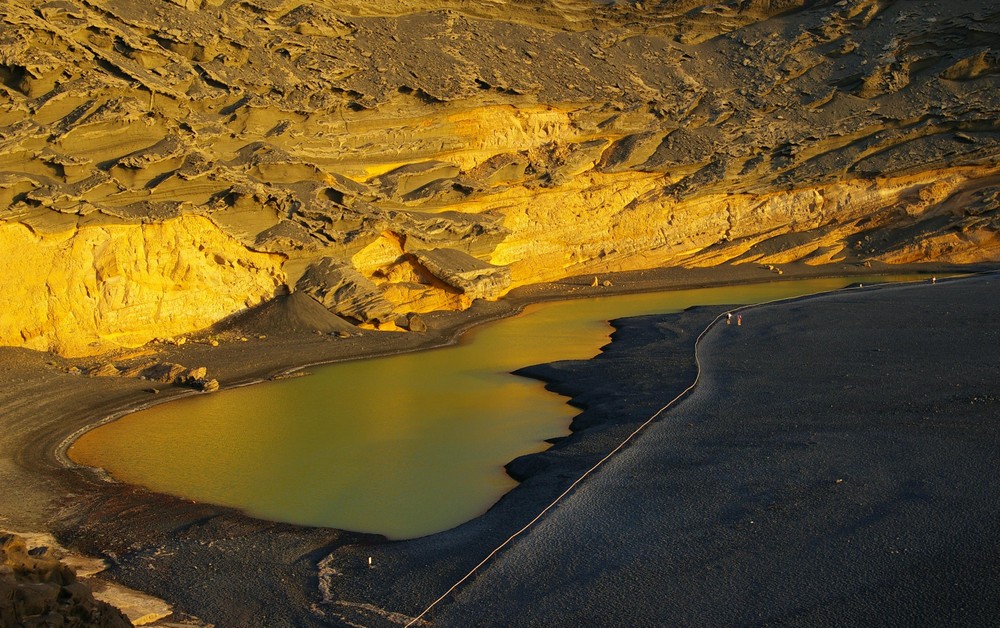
{"x":156,"y":179}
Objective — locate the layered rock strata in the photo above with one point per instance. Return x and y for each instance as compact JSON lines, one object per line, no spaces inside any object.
{"x":166,"y":164}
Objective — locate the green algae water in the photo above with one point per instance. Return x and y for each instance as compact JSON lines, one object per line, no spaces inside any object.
{"x":402,"y":446}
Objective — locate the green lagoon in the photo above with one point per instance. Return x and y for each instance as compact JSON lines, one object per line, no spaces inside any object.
{"x":402,"y":446}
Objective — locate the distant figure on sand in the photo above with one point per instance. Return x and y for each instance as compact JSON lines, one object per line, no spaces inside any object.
{"x":729,"y":318}
{"x":739,"y":319}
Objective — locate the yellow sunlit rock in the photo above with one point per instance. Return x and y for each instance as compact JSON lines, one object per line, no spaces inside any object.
{"x":156,"y":178}
{"x":104,"y":287}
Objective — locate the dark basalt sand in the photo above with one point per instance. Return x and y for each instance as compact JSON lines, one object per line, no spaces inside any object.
{"x":835,"y":465}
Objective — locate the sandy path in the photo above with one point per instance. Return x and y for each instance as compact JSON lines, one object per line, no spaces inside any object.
{"x":836,"y":465}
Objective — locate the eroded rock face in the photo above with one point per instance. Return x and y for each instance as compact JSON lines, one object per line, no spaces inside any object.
{"x":344,"y":291}
{"x":461,"y":271}
{"x":95,"y":287}
{"x":549,"y":139}
{"x":36,"y":589}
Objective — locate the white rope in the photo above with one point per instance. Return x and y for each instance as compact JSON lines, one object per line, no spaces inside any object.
{"x":599,"y":463}
{"x":585,"y":475}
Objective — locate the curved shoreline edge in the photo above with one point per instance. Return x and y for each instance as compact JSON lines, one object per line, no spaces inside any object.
{"x":450,"y":333}
{"x":447,"y":337}
{"x":696,"y":354}
{"x":560,"y":378}
{"x":830,"y":471}
{"x":89,"y":401}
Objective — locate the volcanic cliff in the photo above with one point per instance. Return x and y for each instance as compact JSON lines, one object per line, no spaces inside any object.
{"x":166,"y":164}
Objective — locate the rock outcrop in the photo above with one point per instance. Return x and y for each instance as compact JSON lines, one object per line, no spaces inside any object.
{"x":344,"y":291}
{"x":36,"y":589}
{"x":473,"y":277}
{"x":104,"y":284}
{"x":165,"y":164}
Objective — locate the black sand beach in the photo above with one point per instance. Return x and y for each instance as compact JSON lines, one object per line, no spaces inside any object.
{"x":833,"y":466}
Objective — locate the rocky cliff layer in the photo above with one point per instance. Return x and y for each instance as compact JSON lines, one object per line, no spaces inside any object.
{"x":164,"y":164}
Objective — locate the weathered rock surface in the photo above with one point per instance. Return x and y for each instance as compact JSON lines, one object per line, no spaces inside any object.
{"x":36,"y":589}
{"x":165,"y":372}
{"x":166,"y":164}
{"x":90,"y":287}
{"x":344,"y":291}
{"x":473,"y":277}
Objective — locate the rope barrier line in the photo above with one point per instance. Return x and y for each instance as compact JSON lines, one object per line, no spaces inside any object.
{"x":580,"y":479}
{"x":628,"y":439}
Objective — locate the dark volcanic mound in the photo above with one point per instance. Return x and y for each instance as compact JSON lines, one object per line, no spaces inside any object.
{"x":292,"y":313}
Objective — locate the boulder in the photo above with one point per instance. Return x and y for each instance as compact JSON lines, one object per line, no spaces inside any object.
{"x":198,"y":379}
{"x":474,"y":277}
{"x":166,"y":372}
{"x":414,"y":322}
{"x":195,"y":374}
{"x":207,"y":385}
{"x":344,"y":291}
{"x":104,"y":370}
{"x":411,"y":322}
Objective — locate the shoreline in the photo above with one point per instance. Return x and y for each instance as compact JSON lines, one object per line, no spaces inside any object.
{"x":449,"y":335}
{"x":276,"y":356}
{"x":827,"y":470}
{"x":527,"y":295}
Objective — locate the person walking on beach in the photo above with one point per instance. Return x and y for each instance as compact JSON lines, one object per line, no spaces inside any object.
{"x":729,"y":318}
{"x":739,"y":320}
